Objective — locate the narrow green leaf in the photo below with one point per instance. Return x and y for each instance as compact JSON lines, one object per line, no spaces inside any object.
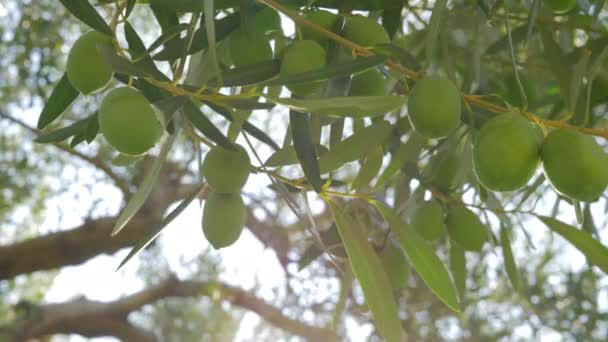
{"x":170,"y":105}
{"x":137,"y":47}
{"x":369,"y":168}
{"x":223,"y":27}
{"x":245,"y":104}
{"x":63,"y":133}
{"x":77,"y":139}
{"x":458,"y":268}
{"x":405,"y":152}
{"x":61,"y":98}
{"x":368,"y":270}
{"x":434,"y":29}
{"x":202,"y":123}
{"x":532,"y":15}
{"x":166,"y":36}
{"x":422,"y":257}
{"x":84,"y":11}
{"x":579,"y":71}
{"x":121,"y":65}
{"x":283,"y":157}
{"x":247,"y":127}
{"x":596,"y":253}
{"x":391,"y":16}
{"x":346,"y":106}
{"x":129,"y":7}
{"x":249,"y":74}
{"x":152,"y":234}
{"x":355,"y":147}
{"x":345,"y":68}
{"x":92,"y":128}
{"x":209,"y":20}
{"x":509,"y":260}
{"x":145,"y":188}
{"x":301,"y":132}
{"x":287,"y":156}
{"x":331,"y":240}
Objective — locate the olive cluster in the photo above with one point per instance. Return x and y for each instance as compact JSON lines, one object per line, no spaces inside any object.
{"x":127,"y":120}
{"x":224,"y":213}
{"x":508,"y":148}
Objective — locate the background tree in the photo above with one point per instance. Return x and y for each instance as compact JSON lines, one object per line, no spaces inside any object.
{"x":381,"y":206}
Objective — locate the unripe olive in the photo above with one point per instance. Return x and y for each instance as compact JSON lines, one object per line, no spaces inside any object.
{"x":560,"y":6}
{"x":300,"y":57}
{"x":465,"y":228}
{"x":428,"y":220}
{"x":226,"y":170}
{"x":506,"y":152}
{"x":128,"y":121}
{"x":395,"y":265}
{"x":445,"y":169}
{"x":267,"y":20}
{"x":368,"y":83}
{"x":249,"y":47}
{"x":224,"y":217}
{"x":575,"y":164}
{"x":434,"y":107}
{"x":87,"y":71}
{"x":325,"y":19}
{"x":365,"y":31}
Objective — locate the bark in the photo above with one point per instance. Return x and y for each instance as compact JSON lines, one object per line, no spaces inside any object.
{"x":95,"y":319}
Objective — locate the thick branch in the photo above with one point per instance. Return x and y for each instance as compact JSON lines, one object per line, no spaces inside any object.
{"x":77,"y":245}
{"x":93,"y":318}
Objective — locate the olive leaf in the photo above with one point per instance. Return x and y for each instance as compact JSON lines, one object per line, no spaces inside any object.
{"x":595,"y":252}
{"x":145,"y":189}
{"x":61,"y":98}
{"x":370,"y":273}
{"x":422,"y":257}
{"x":344,"y":106}
{"x":354,"y":147}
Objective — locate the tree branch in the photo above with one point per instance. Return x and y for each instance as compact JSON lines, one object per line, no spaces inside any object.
{"x":93,"y":318}
{"x":91,"y":238}
{"x":94,"y":161}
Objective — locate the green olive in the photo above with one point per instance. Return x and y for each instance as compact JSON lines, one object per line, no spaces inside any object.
{"x":87,"y":71}
{"x":428,"y":220}
{"x":226,"y":170}
{"x":325,"y":19}
{"x":224,"y":217}
{"x":506,"y":152}
{"x":368,"y":83}
{"x":465,"y":228}
{"x":575,"y":164}
{"x":300,"y":57}
{"x":434,"y":107}
{"x":267,"y":20}
{"x":365,"y":31}
{"x":445,"y":170}
{"x":128,"y":121}
{"x":248,"y":48}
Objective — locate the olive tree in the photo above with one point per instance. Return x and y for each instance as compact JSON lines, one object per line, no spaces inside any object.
{"x":424,"y":144}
